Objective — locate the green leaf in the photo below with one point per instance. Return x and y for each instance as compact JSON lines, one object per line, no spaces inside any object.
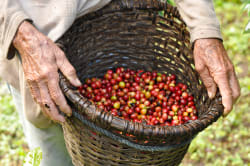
{"x":33,"y":158}
{"x":247,"y":29}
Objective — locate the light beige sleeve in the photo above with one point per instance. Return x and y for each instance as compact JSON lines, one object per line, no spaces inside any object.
{"x":11,"y":15}
{"x":87,"y":6}
{"x":200,"y":17}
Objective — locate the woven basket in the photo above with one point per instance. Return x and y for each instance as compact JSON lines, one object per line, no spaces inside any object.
{"x":131,"y":34}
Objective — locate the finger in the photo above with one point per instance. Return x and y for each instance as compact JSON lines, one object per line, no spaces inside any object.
{"x":34,"y":90}
{"x":66,"y":68}
{"x":234,"y":83}
{"x":46,"y":111}
{"x":56,"y":93}
{"x":48,"y":104}
{"x":205,"y":76}
{"x":35,"y":93}
{"x":208,"y":82}
{"x":53,"y":115}
{"x":222,"y":81}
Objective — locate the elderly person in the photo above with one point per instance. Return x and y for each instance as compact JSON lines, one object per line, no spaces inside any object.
{"x":30,"y":28}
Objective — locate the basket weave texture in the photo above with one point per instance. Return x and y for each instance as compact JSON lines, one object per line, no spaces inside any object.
{"x":131,"y":34}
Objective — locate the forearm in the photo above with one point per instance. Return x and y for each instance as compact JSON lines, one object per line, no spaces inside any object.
{"x":11,"y":16}
{"x":210,"y":57}
{"x":200,"y":18}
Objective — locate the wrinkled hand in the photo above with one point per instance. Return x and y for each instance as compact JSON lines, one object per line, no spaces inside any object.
{"x":41,"y":60}
{"x":216,"y":69}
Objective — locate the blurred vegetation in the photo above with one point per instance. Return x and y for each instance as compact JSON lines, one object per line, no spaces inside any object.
{"x":33,"y":158}
{"x":225,"y":143}
{"x":12,"y":145}
{"x":246,"y":5}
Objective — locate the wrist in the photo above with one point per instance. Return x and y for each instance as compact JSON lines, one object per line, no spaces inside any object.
{"x":24,"y":32}
{"x":207,"y":42}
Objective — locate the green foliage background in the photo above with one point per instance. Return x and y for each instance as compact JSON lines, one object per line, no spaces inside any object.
{"x":225,"y":143}
{"x":33,"y":158}
{"x":12,"y":144}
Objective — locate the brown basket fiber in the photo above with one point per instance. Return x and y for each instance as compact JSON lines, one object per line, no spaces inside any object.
{"x":132,"y":34}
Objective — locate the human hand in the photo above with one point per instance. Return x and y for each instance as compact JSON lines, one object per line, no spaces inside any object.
{"x":216,"y":69}
{"x":41,"y":60}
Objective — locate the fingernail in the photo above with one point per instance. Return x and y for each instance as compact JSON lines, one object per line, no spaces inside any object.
{"x":224,"y":115}
{"x":62,"y":119}
{"x":210,"y":95}
{"x":78,"y":82}
{"x":69,"y":111}
{"x":226,"y":112}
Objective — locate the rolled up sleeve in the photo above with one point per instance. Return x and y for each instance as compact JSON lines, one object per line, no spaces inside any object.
{"x":11,"y":16}
{"x":200,"y":17}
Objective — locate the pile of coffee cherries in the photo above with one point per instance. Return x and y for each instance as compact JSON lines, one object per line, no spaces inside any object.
{"x":148,"y":97}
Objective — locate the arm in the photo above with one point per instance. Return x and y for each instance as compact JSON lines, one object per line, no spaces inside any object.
{"x":11,"y":16}
{"x":211,"y":59}
{"x":200,"y":18}
{"x":41,"y":59}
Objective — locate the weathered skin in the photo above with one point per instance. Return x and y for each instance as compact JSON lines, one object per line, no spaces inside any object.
{"x":216,"y":69}
{"x":42,"y":58}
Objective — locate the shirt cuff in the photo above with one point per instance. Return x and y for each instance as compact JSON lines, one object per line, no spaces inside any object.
{"x":205,"y":33}
{"x":15,"y":20}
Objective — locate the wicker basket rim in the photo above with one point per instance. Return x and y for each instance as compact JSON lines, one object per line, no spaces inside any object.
{"x":107,"y":120}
